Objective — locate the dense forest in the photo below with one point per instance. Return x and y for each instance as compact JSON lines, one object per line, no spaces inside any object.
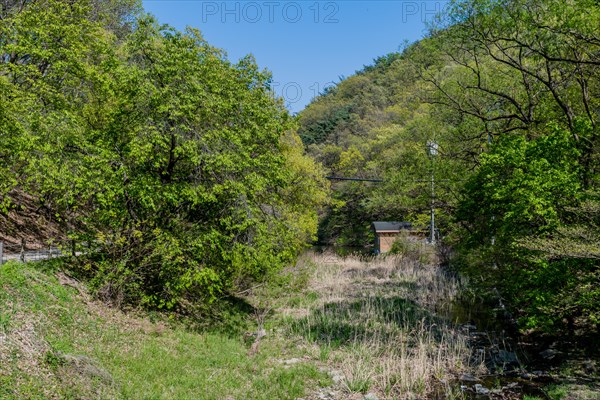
{"x":189,"y":180}
{"x":510,"y":93}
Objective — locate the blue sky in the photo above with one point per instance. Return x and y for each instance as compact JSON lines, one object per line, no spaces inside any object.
{"x":307,"y":45}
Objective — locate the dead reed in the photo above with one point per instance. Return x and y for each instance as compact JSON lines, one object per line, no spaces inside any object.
{"x":376,"y":320}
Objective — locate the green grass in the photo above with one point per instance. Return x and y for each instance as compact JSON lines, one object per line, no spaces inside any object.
{"x":56,"y":342}
{"x":347,"y":326}
{"x":568,"y":391}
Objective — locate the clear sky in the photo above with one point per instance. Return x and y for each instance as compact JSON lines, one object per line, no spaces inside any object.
{"x":307,"y":45}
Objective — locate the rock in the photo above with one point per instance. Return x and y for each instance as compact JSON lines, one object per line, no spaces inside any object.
{"x":292,"y":361}
{"x":469,"y":327}
{"x":589,"y":367}
{"x":510,"y":386}
{"x":336,"y":376}
{"x":480,"y":389}
{"x":507,"y":357}
{"x":370,"y":396}
{"x":549,"y":354}
{"x":468,"y":378}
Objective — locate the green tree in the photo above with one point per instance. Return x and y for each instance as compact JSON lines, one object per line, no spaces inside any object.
{"x":180,"y":168}
{"x":522,"y":77}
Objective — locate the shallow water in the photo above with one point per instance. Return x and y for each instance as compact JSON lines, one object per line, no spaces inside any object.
{"x":517,"y":365}
{"x":512,"y":365}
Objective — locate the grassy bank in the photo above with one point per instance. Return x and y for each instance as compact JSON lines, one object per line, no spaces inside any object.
{"x":56,"y":343}
{"x":340,"y":328}
{"x":355,"y":327}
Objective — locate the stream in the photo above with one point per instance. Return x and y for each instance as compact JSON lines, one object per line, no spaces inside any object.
{"x":518,"y":365}
{"x":513,"y":365}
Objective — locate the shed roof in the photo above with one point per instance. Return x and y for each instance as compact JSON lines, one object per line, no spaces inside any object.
{"x":390,"y":226}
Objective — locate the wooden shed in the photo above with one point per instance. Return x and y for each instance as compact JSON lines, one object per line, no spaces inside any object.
{"x":386,"y":233}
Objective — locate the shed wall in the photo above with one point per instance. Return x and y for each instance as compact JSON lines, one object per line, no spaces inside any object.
{"x":385,"y":241}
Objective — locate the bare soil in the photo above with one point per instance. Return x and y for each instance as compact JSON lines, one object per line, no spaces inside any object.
{"x":30,"y":220}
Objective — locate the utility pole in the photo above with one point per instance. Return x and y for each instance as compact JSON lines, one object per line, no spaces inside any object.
{"x":432,"y":149}
{"x":489,"y":142}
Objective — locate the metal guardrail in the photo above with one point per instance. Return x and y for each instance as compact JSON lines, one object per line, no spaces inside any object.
{"x":35,"y":252}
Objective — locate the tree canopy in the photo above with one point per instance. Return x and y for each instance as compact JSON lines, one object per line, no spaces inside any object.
{"x":181,"y":169}
{"x":509,"y":90}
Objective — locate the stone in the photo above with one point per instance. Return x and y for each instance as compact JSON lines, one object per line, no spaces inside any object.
{"x":548,"y":354}
{"x":336,"y":376}
{"x":512,"y":385}
{"x":370,"y":396}
{"x":589,"y":367}
{"x":468,"y":378}
{"x":480,"y":389}
{"x":507,"y":357}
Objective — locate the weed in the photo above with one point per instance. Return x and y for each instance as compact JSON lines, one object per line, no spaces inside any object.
{"x":54,"y":359}
{"x":374,"y":320}
{"x":324,"y":351}
{"x":4,"y":322}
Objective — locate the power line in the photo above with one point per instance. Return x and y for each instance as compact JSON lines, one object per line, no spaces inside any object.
{"x":341,"y":178}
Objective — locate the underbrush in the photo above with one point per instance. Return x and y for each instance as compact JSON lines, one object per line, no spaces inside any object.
{"x":330,"y":328}
{"x":373,"y":323}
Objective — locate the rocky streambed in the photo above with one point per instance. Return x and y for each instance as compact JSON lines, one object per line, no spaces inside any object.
{"x":512,"y":365}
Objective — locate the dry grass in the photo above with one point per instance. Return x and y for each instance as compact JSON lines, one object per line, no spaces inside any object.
{"x":370,"y":323}
{"x":375,"y":321}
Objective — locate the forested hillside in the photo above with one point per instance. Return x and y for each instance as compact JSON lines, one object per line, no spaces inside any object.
{"x":510,"y":93}
{"x":187,"y":177}
{"x":186,"y":194}
{"x":180,"y":168}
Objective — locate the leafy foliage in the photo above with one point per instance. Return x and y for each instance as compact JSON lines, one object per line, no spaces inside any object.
{"x":180,"y":168}
{"x":509,"y":90}
{"x":525,"y":187}
{"x":526,"y":78}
